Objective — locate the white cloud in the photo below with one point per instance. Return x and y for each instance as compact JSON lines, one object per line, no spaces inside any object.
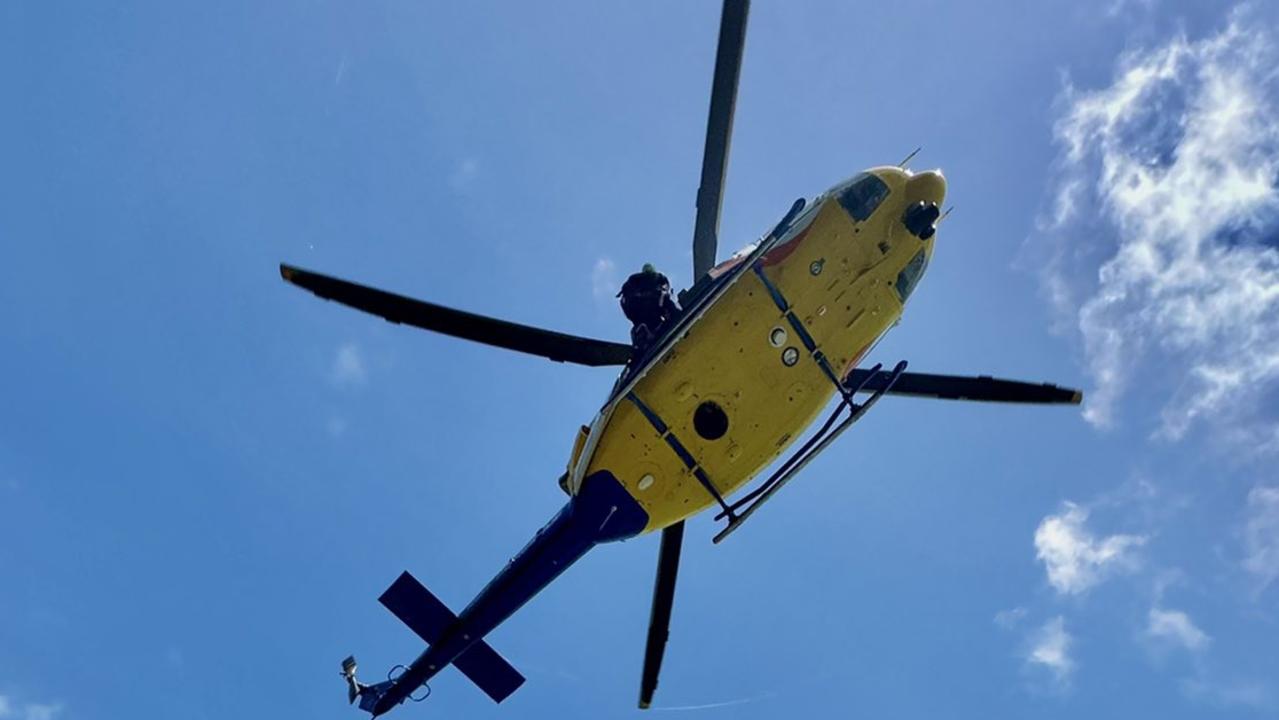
{"x":1120,"y":7}
{"x":464,"y":173}
{"x":604,"y":283}
{"x":1074,"y":559}
{"x":347,"y":369}
{"x":10,"y":710}
{"x":1160,"y":239}
{"x":1009,"y":619}
{"x":1261,"y":535}
{"x":336,"y":426}
{"x":1050,"y":649}
{"x":1175,"y":626}
{"x":1165,"y":579}
{"x":1226,"y":694}
{"x":39,"y":711}
{"x":337,"y":77}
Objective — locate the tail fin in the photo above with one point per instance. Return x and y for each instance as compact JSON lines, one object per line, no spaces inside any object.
{"x":353,"y":686}
{"x":367,"y":694}
{"x":425,"y":615}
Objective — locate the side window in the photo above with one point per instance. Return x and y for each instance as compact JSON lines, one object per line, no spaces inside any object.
{"x":909,"y":276}
{"x":864,"y":195}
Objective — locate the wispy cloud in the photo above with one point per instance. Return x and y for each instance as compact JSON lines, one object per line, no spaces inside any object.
{"x":1119,"y":7}
{"x":1261,"y":535}
{"x":714,"y":705}
{"x":604,"y":283}
{"x":336,"y":426}
{"x":1160,"y":240}
{"x":40,"y":711}
{"x":12,"y":710}
{"x":1010,"y":618}
{"x":1175,"y":627}
{"x":464,"y":174}
{"x":348,"y":368}
{"x":1050,"y":649}
{"x":341,"y":71}
{"x":1076,"y":560}
{"x":1228,"y":693}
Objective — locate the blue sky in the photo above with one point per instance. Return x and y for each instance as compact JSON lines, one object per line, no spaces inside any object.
{"x":207,"y":477}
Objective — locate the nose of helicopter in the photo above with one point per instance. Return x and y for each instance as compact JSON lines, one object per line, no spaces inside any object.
{"x":925,"y":193}
{"x":928,"y":186}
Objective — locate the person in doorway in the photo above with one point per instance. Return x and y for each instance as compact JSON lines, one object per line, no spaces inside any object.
{"x":649,"y":305}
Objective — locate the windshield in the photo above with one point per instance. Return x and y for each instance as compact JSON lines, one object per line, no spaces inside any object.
{"x":863,"y":195}
{"x":909,"y":276}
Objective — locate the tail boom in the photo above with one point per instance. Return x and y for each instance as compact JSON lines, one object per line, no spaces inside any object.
{"x":602,"y":511}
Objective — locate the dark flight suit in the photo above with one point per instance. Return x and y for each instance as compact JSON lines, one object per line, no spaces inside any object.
{"x":648,"y":304}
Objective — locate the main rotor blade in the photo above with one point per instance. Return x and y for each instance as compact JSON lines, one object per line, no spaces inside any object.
{"x":959,"y":387}
{"x":468,"y":326}
{"x":719,"y":131}
{"x":659,"y":623}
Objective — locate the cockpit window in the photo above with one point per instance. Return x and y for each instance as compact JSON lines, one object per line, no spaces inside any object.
{"x":909,"y":276}
{"x":863,"y":195}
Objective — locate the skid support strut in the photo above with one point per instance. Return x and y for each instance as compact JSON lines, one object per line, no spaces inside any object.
{"x":824,"y":436}
{"x":684,"y":455}
{"x":800,"y":460}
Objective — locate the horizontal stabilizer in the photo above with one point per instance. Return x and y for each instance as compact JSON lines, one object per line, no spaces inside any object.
{"x":425,"y":615}
{"x":416,"y":607}
{"x":489,"y":671}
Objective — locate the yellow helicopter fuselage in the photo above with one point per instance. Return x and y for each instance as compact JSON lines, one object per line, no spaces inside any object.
{"x":739,"y":384}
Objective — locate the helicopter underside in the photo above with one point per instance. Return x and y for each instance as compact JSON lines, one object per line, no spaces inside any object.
{"x":740,"y":383}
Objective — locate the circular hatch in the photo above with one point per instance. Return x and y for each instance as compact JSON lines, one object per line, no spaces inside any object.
{"x":710,"y":421}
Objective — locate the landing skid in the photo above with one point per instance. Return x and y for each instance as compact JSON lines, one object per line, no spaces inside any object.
{"x":753,"y":500}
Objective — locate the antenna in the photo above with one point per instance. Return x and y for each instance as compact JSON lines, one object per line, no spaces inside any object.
{"x":910,"y":157}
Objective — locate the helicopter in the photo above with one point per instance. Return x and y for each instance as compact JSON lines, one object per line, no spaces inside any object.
{"x":761,"y":345}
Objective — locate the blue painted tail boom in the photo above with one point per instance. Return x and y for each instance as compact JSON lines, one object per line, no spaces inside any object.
{"x":602,"y":511}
